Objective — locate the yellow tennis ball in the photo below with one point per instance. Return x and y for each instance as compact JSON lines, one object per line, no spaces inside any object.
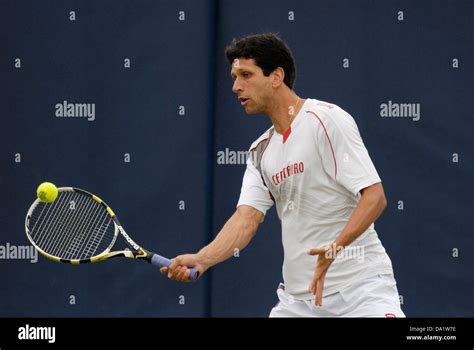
{"x":47,"y":192}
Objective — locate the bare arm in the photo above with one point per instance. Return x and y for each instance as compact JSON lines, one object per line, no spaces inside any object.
{"x":237,"y":232}
{"x":370,"y":206}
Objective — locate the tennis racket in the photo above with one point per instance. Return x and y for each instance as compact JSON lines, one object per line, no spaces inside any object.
{"x":78,"y":227}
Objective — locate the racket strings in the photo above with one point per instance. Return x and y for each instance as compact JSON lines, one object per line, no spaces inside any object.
{"x":74,"y":226}
{"x":61,"y":230}
{"x":45,"y":225}
{"x":78,"y":230}
{"x":96,"y":236}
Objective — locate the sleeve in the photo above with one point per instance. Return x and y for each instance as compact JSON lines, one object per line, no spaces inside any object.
{"x":343,"y":153}
{"x":253,"y":192}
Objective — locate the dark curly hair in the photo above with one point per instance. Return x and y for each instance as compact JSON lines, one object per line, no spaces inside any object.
{"x":269,"y":53}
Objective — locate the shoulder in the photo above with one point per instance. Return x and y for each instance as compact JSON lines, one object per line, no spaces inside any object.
{"x":262,"y":138}
{"x":326,"y":114}
{"x":322,"y":109}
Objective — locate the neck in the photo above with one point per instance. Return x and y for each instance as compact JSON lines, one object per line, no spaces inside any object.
{"x":283,"y":110}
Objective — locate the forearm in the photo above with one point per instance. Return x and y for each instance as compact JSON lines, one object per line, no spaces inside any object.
{"x":369,"y":208}
{"x":235,"y":234}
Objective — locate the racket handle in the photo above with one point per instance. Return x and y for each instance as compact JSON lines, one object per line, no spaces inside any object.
{"x":160,"y":261}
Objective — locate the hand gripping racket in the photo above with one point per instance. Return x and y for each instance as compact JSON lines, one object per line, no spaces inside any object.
{"x":78,"y":227}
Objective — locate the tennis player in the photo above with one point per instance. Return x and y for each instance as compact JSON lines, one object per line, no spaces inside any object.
{"x":313,"y":165}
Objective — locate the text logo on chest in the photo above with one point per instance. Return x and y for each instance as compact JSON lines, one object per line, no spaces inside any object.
{"x":286,"y":172}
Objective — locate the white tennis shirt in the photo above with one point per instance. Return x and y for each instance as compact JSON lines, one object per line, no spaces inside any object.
{"x":314,"y":176}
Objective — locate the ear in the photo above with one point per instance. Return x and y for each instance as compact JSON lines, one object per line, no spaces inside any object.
{"x":278,"y":75}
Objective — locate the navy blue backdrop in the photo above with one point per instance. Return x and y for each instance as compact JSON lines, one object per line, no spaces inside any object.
{"x":164,"y":113}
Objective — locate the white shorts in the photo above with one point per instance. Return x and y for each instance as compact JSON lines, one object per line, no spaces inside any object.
{"x":373,"y":297}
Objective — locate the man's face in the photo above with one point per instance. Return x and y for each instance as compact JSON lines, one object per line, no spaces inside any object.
{"x":253,"y":89}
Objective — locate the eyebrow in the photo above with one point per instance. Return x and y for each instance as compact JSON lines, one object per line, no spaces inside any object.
{"x":232,"y":74}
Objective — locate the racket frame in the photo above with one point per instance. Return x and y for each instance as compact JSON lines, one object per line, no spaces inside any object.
{"x":136,"y":253}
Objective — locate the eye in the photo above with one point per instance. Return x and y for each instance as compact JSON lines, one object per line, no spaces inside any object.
{"x":246,"y":74}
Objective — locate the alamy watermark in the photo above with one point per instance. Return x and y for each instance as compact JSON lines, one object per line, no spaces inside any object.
{"x":37,"y":333}
{"x":18,"y":252}
{"x":75,"y":110}
{"x":228,"y":156}
{"x":356,"y":252}
{"x":400,"y":110}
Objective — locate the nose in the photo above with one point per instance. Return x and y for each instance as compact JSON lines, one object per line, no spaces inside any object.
{"x":237,"y":86}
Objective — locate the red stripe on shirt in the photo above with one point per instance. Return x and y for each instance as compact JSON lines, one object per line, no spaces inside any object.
{"x":330,"y":143}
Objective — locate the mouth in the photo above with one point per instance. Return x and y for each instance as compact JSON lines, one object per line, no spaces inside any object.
{"x":243,"y":100}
